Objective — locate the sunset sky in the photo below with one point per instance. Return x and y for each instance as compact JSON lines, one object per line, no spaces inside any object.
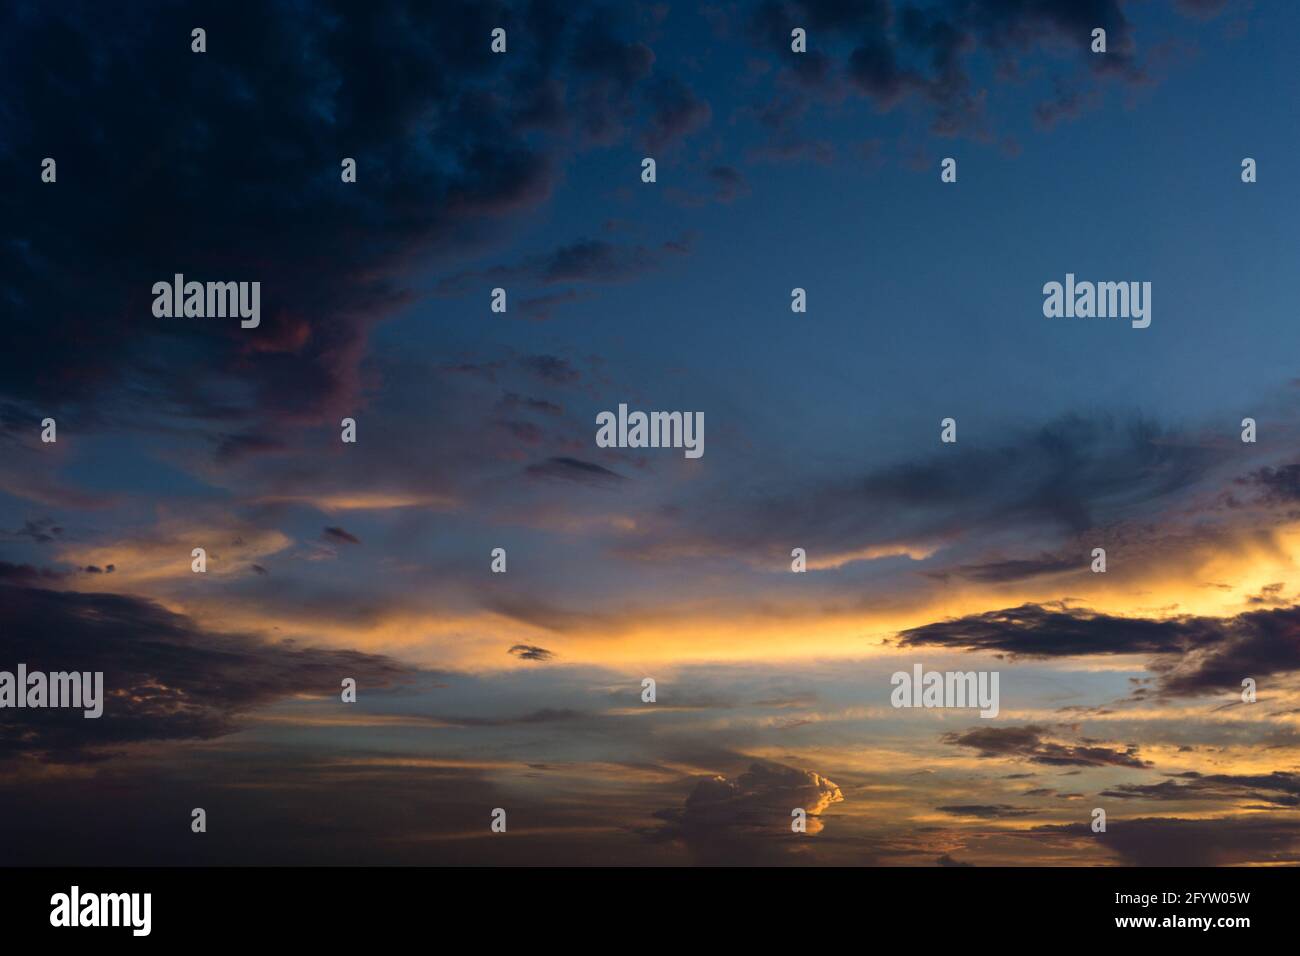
{"x":476,"y":430}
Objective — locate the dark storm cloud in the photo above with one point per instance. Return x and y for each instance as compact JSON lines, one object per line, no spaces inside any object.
{"x":230,"y":170}
{"x":1190,"y":655}
{"x":164,"y":677}
{"x":1031,"y":743}
{"x":575,"y":469}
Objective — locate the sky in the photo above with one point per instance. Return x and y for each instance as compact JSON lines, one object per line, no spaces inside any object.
{"x":522,"y":690}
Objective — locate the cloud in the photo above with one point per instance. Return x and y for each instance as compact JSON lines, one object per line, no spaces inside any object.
{"x":551,"y":368}
{"x":28,"y":574}
{"x":40,"y":531}
{"x":1163,"y":841}
{"x":300,"y":83}
{"x":728,"y":182}
{"x":1033,"y":630}
{"x":1191,"y":655}
{"x":1279,"y":788}
{"x":544,"y":614}
{"x":725,"y":184}
{"x":1065,"y":103}
{"x":586,"y":260}
{"x":990,"y":811}
{"x":892,"y":53}
{"x":545,"y":715}
{"x":564,"y":468}
{"x":515,"y":402}
{"x":1280,"y":485}
{"x":155,"y":555}
{"x":531,"y":652}
{"x":1201,"y":9}
{"x":1031,"y":743}
{"x":164,"y":677}
{"x":338,"y":534}
{"x":540,"y":308}
{"x":949,"y":860}
{"x":1065,"y":477}
{"x":779,"y":118}
{"x":1015,"y":570}
{"x":527,"y":433}
{"x":237,"y":446}
{"x":675,"y":112}
{"x":748,"y":819}
{"x":450,"y":143}
{"x":610,"y":68}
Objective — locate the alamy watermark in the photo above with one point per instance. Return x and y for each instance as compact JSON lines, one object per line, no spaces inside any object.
{"x":58,"y":689}
{"x":75,"y":908}
{"x":208,"y":300}
{"x":651,"y":430}
{"x":1100,"y":300}
{"x":923,"y":688}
